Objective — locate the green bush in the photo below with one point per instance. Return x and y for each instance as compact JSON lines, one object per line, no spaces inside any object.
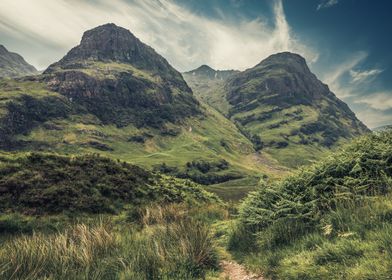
{"x":328,"y":221}
{"x":48,"y":183}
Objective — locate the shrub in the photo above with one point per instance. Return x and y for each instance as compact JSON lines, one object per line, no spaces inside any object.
{"x":48,"y":183}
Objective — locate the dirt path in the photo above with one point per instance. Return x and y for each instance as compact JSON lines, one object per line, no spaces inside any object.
{"x":234,"y":271}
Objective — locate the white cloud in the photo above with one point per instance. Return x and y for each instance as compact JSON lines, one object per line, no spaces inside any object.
{"x":378,"y":100}
{"x":374,"y":118}
{"x":184,"y":38}
{"x":334,"y":78}
{"x":361,"y":76}
{"x":357,"y":89}
{"x":326,"y":4}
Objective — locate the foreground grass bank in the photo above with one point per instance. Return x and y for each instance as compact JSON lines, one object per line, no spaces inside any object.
{"x":171,"y":242}
{"x":329,"y":221}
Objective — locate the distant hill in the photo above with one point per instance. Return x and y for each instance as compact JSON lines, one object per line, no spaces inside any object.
{"x":206,"y":72}
{"x":207,"y":83}
{"x":13,"y":65}
{"x":285,"y":109}
{"x":382,"y":128}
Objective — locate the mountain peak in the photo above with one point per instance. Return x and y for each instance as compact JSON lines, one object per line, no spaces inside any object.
{"x":204,"y":67}
{"x":206,"y":72}
{"x":109,"y":38}
{"x":110,"y":42}
{"x":286,"y":59}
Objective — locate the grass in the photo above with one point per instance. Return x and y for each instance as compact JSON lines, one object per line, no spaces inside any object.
{"x":39,"y":183}
{"x":170,"y":242}
{"x":354,"y":243}
{"x":212,"y":138}
{"x":234,"y":190}
{"x":328,"y":221}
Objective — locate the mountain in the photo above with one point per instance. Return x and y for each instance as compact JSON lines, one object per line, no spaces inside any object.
{"x":116,"y":96}
{"x":285,"y":110}
{"x":13,"y":65}
{"x":121,"y":80}
{"x":206,"y":82}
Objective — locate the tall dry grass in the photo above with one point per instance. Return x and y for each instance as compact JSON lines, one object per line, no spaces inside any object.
{"x":76,"y":252}
{"x":172,"y":244}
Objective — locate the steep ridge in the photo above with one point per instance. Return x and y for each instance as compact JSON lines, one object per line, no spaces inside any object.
{"x":13,"y":65}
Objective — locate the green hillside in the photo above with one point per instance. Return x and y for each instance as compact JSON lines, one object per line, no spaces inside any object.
{"x":105,"y":97}
{"x":282,"y":108}
{"x":329,"y":221}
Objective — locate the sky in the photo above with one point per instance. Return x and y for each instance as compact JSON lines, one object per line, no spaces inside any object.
{"x":346,"y":43}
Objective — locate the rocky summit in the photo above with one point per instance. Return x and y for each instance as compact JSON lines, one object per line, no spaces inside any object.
{"x":121,"y":80}
{"x":13,"y":65}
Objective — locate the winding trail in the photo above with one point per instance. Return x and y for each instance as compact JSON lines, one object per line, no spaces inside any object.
{"x":234,"y":271}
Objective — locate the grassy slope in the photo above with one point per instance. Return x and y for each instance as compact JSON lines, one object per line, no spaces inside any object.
{"x":329,"y":221}
{"x":279,"y":126}
{"x":212,"y":92}
{"x":48,"y":183}
{"x":209,"y":138}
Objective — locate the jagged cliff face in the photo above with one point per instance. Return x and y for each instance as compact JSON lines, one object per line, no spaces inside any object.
{"x":116,"y":77}
{"x":13,"y":65}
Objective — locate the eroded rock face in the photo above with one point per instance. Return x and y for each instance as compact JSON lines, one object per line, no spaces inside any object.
{"x":111,"y":43}
{"x":116,"y":77}
{"x":283,"y":92}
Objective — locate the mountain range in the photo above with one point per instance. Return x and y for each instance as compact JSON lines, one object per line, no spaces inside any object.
{"x":115,"y":95}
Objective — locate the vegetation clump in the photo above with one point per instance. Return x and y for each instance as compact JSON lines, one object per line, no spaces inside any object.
{"x":170,"y":242}
{"x":49,"y":183}
{"x":202,"y":171}
{"x":322,"y":222}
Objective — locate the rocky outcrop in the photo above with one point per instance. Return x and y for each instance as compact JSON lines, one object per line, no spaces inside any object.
{"x":116,"y":77}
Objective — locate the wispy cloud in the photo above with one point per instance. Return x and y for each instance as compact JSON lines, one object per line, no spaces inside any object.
{"x":186,"y":39}
{"x":378,"y":100}
{"x":326,"y":4}
{"x":357,"y":88}
{"x":334,"y":77}
{"x":362,"y":76}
